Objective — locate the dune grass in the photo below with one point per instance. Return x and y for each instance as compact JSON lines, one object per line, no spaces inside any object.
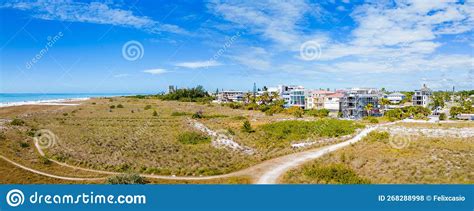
{"x":444,"y":160}
{"x":130,"y":139}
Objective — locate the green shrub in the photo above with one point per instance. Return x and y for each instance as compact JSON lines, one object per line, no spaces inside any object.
{"x":375,"y":136}
{"x":295,"y":111}
{"x":318,"y":112}
{"x":247,"y":128}
{"x":155,"y":113}
{"x":24,"y":144}
{"x":197,"y":115}
{"x":230,"y":131}
{"x":119,"y":106}
{"x":239,"y":118}
{"x":214,"y":116}
{"x":298,"y":130}
{"x":274,"y":109}
{"x":442,"y":116}
{"x":332,"y":174}
{"x":147,"y":107}
{"x":395,"y":113}
{"x":2,"y":136}
{"x":112,"y":106}
{"x":234,"y":105}
{"x":65,"y":114}
{"x":126,"y":179}
{"x":44,"y":160}
{"x":371,"y":119}
{"x":176,"y":113}
{"x":193,"y":138}
{"x":197,"y":94}
{"x":31,"y":132}
{"x":17,"y":122}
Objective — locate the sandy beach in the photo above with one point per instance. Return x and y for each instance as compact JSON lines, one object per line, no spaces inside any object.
{"x":65,"y":102}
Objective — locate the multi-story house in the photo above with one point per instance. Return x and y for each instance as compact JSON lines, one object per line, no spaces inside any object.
{"x":315,"y":98}
{"x":422,"y":97}
{"x":292,"y":95}
{"x":230,"y":96}
{"x":332,"y":102}
{"x":354,"y":102}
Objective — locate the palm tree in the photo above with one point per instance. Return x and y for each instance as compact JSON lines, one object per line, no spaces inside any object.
{"x":369,"y":108}
{"x":384,"y":102}
{"x":274,"y":96}
{"x":265,"y":98}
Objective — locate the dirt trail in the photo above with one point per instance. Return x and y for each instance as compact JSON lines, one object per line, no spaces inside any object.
{"x":267,"y":172}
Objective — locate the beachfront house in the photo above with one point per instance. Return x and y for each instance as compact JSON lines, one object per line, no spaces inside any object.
{"x":315,"y":98}
{"x":355,"y":102}
{"x":422,"y":97}
{"x":292,"y":95}
{"x":230,"y":96}
{"x":332,"y":102}
{"x":395,"y":98}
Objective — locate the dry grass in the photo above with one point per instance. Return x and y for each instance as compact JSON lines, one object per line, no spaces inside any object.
{"x":100,"y":134}
{"x":14,"y":175}
{"x":423,"y":161}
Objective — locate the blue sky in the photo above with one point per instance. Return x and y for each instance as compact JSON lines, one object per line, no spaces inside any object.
{"x":88,"y":46}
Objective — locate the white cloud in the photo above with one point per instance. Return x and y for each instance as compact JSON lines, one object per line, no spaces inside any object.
{"x":198,"y":64}
{"x":157,"y":71}
{"x":277,"y":21}
{"x":254,"y":58}
{"x":94,"y":12}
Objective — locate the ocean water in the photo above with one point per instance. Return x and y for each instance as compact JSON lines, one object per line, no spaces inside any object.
{"x":37,"y":97}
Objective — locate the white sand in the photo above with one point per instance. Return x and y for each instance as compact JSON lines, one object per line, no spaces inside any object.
{"x":61,"y":102}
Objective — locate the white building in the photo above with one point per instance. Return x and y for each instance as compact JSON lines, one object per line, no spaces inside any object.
{"x":422,"y":97}
{"x":292,"y":95}
{"x":230,"y":96}
{"x":333,"y":102}
{"x":395,"y":98}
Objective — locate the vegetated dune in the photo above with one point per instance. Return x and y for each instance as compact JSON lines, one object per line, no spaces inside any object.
{"x":405,"y":155}
{"x":146,"y":136}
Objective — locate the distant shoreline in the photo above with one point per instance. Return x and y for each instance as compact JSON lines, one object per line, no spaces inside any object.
{"x":50,"y":99}
{"x":67,"y":102}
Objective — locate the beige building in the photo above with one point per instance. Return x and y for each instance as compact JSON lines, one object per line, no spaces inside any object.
{"x":315,"y":98}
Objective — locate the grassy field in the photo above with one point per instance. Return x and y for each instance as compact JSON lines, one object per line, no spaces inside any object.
{"x":423,"y":160}
{"x":151,"y":136}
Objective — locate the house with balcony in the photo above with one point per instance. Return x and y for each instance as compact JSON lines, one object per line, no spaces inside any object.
{"x":422,"y":97}
{"x":292,"y":95}
{"x":230,"y":96}
{"x":332,"y":102}
{"x":355,"y":100}
{"x":315,"y":98}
